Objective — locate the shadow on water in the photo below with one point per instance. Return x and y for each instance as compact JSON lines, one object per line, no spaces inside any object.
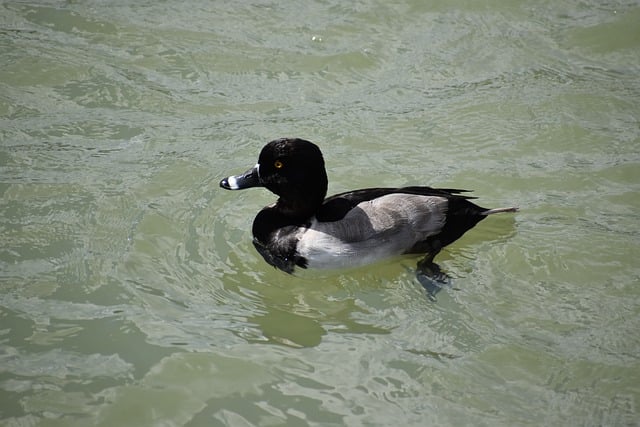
{"x":285,"y":323}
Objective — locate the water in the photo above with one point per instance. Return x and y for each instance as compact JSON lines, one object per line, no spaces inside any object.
{"x":130,"y":291}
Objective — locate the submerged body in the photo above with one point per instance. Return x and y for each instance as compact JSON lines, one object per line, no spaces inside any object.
{"x":349,"y":229}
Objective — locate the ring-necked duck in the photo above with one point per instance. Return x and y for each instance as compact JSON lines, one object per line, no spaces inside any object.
{"x":354,"y":228}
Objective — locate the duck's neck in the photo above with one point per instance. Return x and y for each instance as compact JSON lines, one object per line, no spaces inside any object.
{"x":299,"y":208}
{"x":301,"y":198}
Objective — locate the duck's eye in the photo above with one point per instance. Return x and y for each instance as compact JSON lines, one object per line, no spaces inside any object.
{"x":278,"y":164}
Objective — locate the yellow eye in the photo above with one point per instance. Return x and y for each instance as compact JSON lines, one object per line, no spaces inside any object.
{"x":278,"y":164}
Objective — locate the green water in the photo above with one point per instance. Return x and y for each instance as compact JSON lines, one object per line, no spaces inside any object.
{"x":130,"y":293}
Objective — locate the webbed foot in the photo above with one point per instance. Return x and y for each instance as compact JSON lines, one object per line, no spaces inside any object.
{"x":431,"y":277}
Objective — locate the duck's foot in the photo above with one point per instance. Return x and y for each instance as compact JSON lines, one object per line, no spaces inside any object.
{"x":431,"y":277}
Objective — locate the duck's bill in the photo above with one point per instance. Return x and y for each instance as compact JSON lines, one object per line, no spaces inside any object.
{"x":250,"y":178}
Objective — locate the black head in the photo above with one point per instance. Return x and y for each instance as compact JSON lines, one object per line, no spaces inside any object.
{"x":293,"y":169}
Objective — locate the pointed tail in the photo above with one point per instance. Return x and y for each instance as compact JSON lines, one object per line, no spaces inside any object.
{"x":499,"y":210}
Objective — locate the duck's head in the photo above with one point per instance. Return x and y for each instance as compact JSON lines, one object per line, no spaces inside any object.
{"x":293,"y":169}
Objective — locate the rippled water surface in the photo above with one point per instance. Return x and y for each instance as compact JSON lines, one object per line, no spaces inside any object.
{"x":130,"y":293}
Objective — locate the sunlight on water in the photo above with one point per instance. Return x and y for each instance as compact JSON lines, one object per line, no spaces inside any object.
{"x":131,"y":293}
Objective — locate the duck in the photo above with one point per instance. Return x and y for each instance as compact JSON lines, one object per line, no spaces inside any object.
{"x":305,"y":229}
